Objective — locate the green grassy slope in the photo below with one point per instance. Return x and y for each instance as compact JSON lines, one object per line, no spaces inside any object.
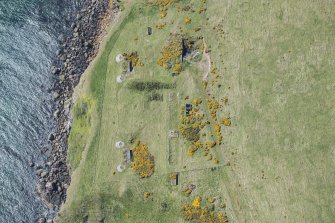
{"x":279,"y":60}
{"x":275,"y":62}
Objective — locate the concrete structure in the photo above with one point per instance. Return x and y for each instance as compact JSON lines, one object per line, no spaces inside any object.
{"x":174,"y":179}
{"x":119,"y":144}
{"x":120,"y":168}
{"x":173,"y":134}
{"x":149,"y":31}
{"x":120,"y":79}
{"x":129,"y":156}
{"x":119,"y":58}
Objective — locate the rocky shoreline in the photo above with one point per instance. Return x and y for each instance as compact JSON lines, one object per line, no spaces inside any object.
{"x":78,"y":49}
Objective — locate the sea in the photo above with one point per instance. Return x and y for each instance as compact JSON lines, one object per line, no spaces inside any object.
{"x":30,"y":35}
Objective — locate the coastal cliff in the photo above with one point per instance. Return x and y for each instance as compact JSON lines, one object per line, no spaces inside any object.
{"x":78,"y":49}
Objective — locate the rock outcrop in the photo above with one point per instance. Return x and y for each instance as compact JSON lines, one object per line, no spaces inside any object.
{"x":77,"y":51}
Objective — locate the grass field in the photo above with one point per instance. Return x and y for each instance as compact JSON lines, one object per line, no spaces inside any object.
{"x":275,"y":61}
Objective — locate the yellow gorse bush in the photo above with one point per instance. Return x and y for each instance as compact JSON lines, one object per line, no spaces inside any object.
{"x":162,"y":3}
{"x":146,"y":194}
{"x":133,"y":58}
{"x":187,"y":20}
{"x":227,"y":122}
{"x":143,"y":163}
{"x":163,"y":14}
{"x":171,"y":54}
{"x":196,"y":202}
{"x":195,"y":213}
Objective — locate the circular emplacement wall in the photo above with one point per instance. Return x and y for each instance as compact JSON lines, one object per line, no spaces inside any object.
{"x":119,"y":144}
{"x":120,"y":168}
{"x":120,"y":79}
{"x":119,"y":58}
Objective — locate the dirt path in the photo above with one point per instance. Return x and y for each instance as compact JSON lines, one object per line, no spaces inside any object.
{"x":207,"y":60}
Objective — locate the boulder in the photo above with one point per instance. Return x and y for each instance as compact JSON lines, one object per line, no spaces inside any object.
{"x":39,"y":171}
{"x":40,"y":187}
{"x":55,"y":95}
{"x":31,"y":163}
{"x":44,"y":174}
{"x":42,"y":220}
{"x":55,"y":70}
{"x":49,"y":185}
{"x":56,"y":113}
{"x":51,"y":137}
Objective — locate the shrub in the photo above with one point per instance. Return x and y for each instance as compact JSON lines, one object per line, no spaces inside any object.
{"x":204,"y":84}
{"x":171,"y":53}
{"x":227,"y":122}
{"x":211,"y":200}
{"x":187,"y":20}
{"x":195,"y":213}
{"x":163,"y":14}
{"x":146,"y":194}
{"x":177,"y":68}
{"x":178,"y":47}
{"x":187,"y":192}
{"x":143,"y":163}
{"x":197,"y":29}
{"x":190,"y":133}
{"x":132,"y":57}
{"x":162,"y":3}
{"x":149,"y":85}
{"x":221,"y":218}
{"x":154,"y":96}
{"x":161,"y":25}
{"x":81,"y":109}
{"x":197,"y":101}
{"x":196,"y":202}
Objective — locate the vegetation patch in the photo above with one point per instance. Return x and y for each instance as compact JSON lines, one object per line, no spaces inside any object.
{"x":144,"y":164}
{"x":202,"y":8}
{"x":163,"y":4}
{"x":80,"y":130}
{"x":204,"y":210}
{"x":188,"y":189}
{"x":193,"y":126}
{"x":161,"y":25}
{"x":191,"y":133}
{"x":131,"y":60}
{"x":154,"y":96}
{"x":178,"y":47}
{"x":171,"y":55}
{"x":149,"y":85}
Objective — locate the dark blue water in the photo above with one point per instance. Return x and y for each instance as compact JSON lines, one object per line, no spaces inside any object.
{"x":29,"y":30}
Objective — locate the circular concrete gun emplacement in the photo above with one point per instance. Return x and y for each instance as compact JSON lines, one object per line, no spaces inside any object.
{"x":120,"y":168}
{"x":119,"y":144}
{"x":120,"y":79}
{"x":119,"y":58}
